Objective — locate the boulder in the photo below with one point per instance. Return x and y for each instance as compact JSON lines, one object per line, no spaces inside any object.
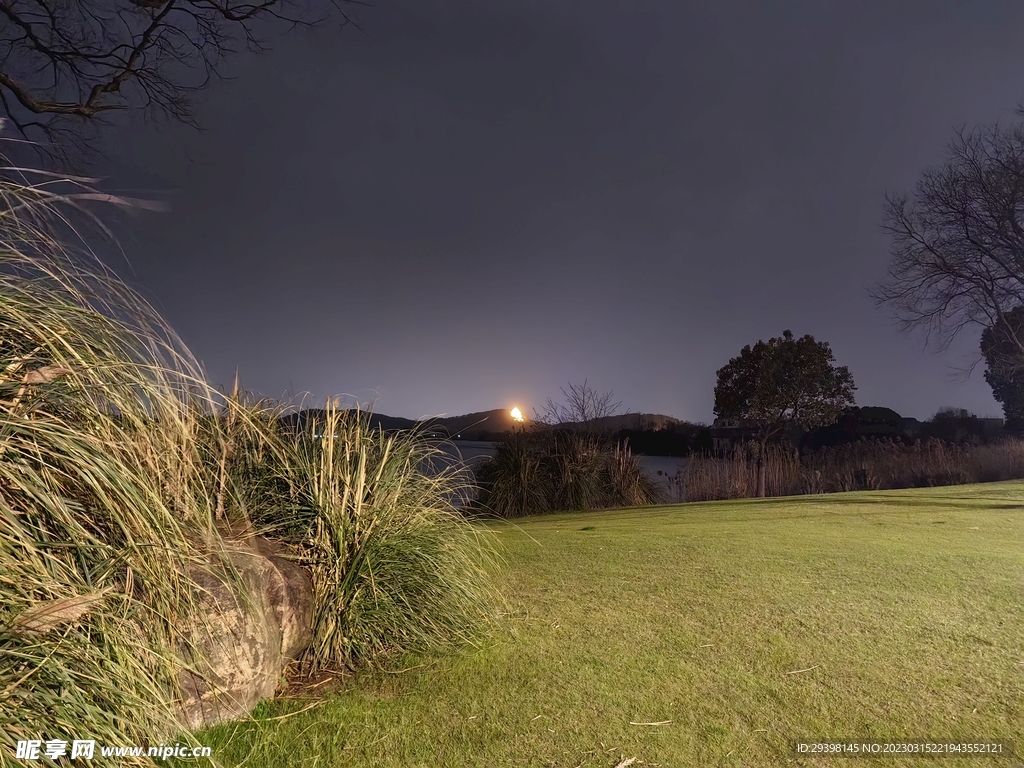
{"x":254,"y":624}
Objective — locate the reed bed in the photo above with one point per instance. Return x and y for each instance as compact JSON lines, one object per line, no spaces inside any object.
{"x":873,"y":465}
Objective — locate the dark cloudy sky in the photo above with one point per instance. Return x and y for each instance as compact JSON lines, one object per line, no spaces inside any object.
{"x":467,"y":204}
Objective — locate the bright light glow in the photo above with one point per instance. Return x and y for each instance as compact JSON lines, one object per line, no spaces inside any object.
{"x":517,"y":415}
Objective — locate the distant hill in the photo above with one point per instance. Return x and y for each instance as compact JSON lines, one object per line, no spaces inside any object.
{"x":484,"y":425}
{"x":303,"y":418}
{"x":637,"y":421}
{"x":490,"y":425}
{"x":496,"y":422}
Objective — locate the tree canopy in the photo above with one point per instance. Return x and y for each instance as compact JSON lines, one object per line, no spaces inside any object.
{"x":780,"y":382}
{"x":1000,"y":345}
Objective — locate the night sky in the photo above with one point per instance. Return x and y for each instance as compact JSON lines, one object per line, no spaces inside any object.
{"x":465,"y":205}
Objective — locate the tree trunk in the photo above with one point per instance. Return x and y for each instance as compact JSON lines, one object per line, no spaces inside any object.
{"x":760,"y":470}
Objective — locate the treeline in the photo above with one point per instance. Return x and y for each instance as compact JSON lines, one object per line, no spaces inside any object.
{"x":680,"y":439}
{"x":950,"y":425}
{"x":573,"y":460}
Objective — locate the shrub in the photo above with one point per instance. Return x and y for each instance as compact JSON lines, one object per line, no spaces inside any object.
{"x":577,"y":462}
{"x":561,"y":469}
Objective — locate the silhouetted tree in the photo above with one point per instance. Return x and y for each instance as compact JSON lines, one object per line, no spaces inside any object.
{"x":954,"y":426}
{"x":63,"y":64}
{"x":1000,"y":345}
{"x":780,"y":382}
{"x":583,"y":408}
{"x":958,"y":243}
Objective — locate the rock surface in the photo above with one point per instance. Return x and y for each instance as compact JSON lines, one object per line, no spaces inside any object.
{"x":254,"y":628}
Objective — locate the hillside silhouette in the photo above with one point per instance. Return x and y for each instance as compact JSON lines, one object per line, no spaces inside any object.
{"x":488,"y":425}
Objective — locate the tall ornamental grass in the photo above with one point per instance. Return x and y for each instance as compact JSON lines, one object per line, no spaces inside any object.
{"x":104,"y":496}
{"x":121,"y":471}
{"x":517,"y":480}
{"x":396,"y":568}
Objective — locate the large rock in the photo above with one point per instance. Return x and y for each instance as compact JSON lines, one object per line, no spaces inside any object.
{"x":255,"y":625}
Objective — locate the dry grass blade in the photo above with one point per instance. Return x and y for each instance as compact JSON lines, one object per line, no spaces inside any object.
{"x":46,"y":374}
{"x":798,"y":671}
{"x":49,"y":615}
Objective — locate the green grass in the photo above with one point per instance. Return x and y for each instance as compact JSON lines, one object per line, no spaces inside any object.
{"x":904,"y":607}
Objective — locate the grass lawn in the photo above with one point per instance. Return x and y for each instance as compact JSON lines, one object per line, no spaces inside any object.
{"x":736,"y":626}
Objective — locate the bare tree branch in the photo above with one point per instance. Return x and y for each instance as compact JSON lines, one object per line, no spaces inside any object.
{"x":66,"y":63}
{"x":958,"y":242}
{"x":583,"y":407}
